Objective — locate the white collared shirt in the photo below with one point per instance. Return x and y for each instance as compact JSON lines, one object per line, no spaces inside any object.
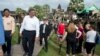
{"x":30,"y":24}
{"x":44,"y":28}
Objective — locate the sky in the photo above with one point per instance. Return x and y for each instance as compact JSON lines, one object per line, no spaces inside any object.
{"x":25,"y":4}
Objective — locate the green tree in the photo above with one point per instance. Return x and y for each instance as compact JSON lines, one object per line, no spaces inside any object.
{"x":76,"y":5}
{"x":18,"y":10}
{"x":46,"y":9}
{"x":39,"y":11}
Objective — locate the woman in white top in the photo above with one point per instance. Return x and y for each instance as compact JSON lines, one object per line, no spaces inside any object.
{"x":90,"y":40}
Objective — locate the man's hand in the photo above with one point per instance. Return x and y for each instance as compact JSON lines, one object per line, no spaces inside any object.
{"x":77,"y":37}
{"x":61,"y":40}
{"x":11,"y":34}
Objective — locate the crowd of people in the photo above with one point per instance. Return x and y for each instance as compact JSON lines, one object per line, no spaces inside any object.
{"x":78,"y":36}
{"x":30,"y":30}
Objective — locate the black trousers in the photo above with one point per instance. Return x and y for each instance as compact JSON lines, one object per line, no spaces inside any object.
{"x":28,"y":41}
{"x":71,"y":46}
{"x":7,"y":46}
{"x":89,"y":46}
{"x":45,"y":39}
{"x":79,"y":47}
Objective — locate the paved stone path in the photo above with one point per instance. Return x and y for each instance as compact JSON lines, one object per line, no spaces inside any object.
{"x":17,"y":49}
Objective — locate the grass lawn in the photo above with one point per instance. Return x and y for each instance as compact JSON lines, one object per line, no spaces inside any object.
{"x":53,"y":49}
{"x":98,"y":50}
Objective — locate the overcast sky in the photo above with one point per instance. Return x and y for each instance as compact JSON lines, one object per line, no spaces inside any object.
{"x":25,"y":4}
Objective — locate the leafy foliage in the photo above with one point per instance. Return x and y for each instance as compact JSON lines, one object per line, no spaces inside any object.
{"x":41,"y":11}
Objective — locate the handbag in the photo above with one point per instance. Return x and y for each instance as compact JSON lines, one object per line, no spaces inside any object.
{"x":97,"y":39}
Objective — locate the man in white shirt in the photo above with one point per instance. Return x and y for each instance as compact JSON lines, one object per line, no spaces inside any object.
{"x":29,"y":31}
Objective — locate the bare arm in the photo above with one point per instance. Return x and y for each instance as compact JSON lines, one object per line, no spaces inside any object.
{"x":13,"y":25}
{"x":79,"y":34}
{"x":64,"y":36}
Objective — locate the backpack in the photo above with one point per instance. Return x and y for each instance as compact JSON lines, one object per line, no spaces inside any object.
{"x":97,"y":40}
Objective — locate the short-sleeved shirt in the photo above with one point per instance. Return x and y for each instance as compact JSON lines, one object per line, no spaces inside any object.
{"x":90,"y":36}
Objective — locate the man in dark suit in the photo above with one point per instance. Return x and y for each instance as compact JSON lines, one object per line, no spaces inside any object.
{"x":44,"y":33}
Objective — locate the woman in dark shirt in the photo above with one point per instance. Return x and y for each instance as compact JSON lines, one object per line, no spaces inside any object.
{"x":71,"y":37}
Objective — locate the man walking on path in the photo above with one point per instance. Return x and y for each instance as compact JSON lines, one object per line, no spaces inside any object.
{"x":29,"y":32}
{"x":9,"y":28}
{"x":44,"y":33}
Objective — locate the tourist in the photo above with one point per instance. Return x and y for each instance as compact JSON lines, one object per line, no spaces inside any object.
{"x":55,"y":26}
{"x":44,"y":33}
{"x":86,"y":26}
{"x":71,"y":38}
{"x":19,"y":19}
{"x":9,"y":28}
{"x":60,"y":33}
{"x":81,"y":38}
{"x":90,"y":40}
{"x":61,"y":28}
{"x":29,"y":31}
{"x":86,"y":29}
